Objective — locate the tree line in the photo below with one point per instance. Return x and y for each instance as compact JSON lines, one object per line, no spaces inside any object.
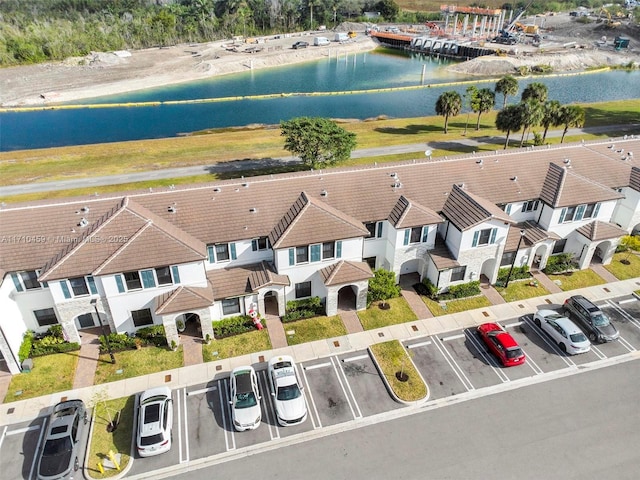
{"x":533,"y":110}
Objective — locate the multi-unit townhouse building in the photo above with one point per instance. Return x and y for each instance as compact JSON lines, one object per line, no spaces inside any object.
{"x":207,"y":252}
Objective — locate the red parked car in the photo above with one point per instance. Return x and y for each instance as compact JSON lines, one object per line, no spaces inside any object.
{"x":501,"y":344}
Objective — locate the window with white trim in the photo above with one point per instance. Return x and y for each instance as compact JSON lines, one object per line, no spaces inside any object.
{"x":558,"y":247}
{"x":374,"y":228}
{"x":258,"y":244}
{"x":303,"y":289}
{"x":457,"y":273}
{"x":484,"y":237}
{"x":579,"y":212}
{"x":230,"y":306}
{"x":315,"y":253}
{"x":142,"y":317}
{"x":132,"y":280}
{"x":27,"y":280}
{"x":79,"y":286}
{"x":221,"y":252}
{"x":328,"y":250}
{"x":302,"y":254}
{"x":46,"y":316}
{"x":416,"y":235}
{"x":530,"y":206}
{"x":163,"y":274}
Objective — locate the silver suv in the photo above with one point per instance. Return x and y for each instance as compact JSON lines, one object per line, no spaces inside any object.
{"x":591,"y":319}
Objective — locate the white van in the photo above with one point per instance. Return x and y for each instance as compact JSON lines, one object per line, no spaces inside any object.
{"x":320,"y":41}
{"x":341,"y":37}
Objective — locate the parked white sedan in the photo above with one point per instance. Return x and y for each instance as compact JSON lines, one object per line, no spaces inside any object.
{"x":245,"y":399}
{"x":563,"y":331}
{"x":291,"y":407}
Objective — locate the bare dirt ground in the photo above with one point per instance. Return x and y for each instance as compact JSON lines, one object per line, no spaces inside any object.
{"x":567,"y":45}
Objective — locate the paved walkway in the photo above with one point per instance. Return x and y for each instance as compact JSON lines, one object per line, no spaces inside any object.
{"x":546,"y":282}
{"x":351,"y":321}
{"x":411,"y":296}
{"x":191,"y":349}
{"x":489,"y":292}
{"x":275,"y":327}
{"x":603,"y":272}
{"x":88,"y":358}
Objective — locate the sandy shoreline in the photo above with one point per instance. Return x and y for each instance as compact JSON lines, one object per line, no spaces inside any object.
{"x":100,"y":74}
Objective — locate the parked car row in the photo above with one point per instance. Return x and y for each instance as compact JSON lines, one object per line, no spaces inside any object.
{"x":570,"y":338}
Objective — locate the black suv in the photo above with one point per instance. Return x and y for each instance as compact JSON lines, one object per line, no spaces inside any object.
{"x":591,"y":319}
{"x":300,"y":44}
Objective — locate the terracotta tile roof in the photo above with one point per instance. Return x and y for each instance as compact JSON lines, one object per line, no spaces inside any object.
{"x":243,"y":280}
{"x":312,"y":221}
{"x":230,"y":211}
{"x":265,"y":275}
{"x":345,"y":271}
{"x":407,"y":214}
{"x":127,"y":238}
{"x":533,"y":234}
{"x":465,"y":210}
{"x":441,"y":256}
{"x":597,"y":230}
{"x":562,"y":188}
{"x":634,"y":180}
{"x":184,"y":299}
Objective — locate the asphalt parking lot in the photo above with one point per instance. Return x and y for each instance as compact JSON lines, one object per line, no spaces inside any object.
{"x":347,"y":388}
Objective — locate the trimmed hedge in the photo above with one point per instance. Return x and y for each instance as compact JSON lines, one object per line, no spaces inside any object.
{"x":25,"y":347}
{"x":153,"y":335}
{"x":518,"y":273}
{"x":41,"y":348}
{"x":560,"y":263}
{"x":51,"y":342}
{"x":426,"y":288}
{"x":117,"y":342}
{"x":301,"y":309}
{"x":464,"y":290}
{"x":228,"y":327}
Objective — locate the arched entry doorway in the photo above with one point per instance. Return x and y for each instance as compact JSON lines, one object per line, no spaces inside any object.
{"x":86,"y":320}
{"x":189,"y":324}
{"x":347,"y":297}
{"x":271,"y":303}
{"x":602,"y":254}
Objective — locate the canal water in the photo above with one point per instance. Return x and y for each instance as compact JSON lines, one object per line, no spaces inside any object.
{"x":383,"y":82}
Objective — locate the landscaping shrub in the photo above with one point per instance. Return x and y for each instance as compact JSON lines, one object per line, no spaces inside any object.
{"x":518,"y":273}
{"x":427,"y":289}
{"x":469,"y":289}
{"x":228,"y":327}
{"x":44,"y":347}
{"x":153,"y":335}
{"x":301,"y":309}
{"x":25,"y":347}
{"x":382,"y":286}
{"x":560,"y":263}
{"x":117,"y":342}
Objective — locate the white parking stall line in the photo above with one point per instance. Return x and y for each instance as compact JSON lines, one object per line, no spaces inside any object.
{"x":346,"y":395}
{"x":203,"y":390}
{"x":466,"y":383}
{"x":35,"y":456}
{"x":179,"y":405}
{"x":533,"y":365}
{"x":226,"y":413}
{"x":318,"y":365}
{"x":269,"y":409}
{"x":452,"y":337}
{"x":19,"y":430}
{"x":487,"y":356}
{"x":626,"y":344}
{"x":313,"y":403}
{"x":552,"y":345}
{"x":355,"y":359}
{"x":186,"y":426}
{"x":628,"y":300}
{"x":4,"y":434}
{"x":634,"y":321}
{"x":598,"y":352}
{"x":419,"y":344}
{"x":515,"y":324}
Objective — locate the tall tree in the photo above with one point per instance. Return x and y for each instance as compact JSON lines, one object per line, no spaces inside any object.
{"x":468,"y":97}
{"x":531,"y":111}
{"x":571,"y":116}
{"x":507,"y":86}
{"x":550,"y":116}
{"x":537,"y":91}
{"x":448,"y":105}
{"x":508,"y":120}
{"x":483,"y":101}
{"x":317,"y":141}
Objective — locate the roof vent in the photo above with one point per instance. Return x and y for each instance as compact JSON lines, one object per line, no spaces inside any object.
{"x":83,"y":222}
{"x":172,"y":208}
{"x":253,"y":210}
{"x":461,"y":185}
{"x":479,"y":161}
{"x":217,"y":189}
{"x":567,"y":161}
{"x":612,"y":146}
{"x":324,"y":193}
{"x":514,"y":178}
{"x":397,"y":185}
{"x":393,"y":175}
{"x":245,"y":185}
{"x":84,"y":209}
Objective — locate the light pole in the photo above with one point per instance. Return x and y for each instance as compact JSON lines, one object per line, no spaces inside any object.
{"x":94,"y":302}
{"x":506,"y":284}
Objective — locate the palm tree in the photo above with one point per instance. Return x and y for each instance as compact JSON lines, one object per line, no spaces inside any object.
{"x":550,"y":116}
{"x":482,"y":102}
{"x":472,"y":91}
{"x":509,"y":119}
{"x":532,"y":113}
{"x":571,"y":116}
{"x":537,"y":91}
{"x":448,"y":104}
{"x":507,"y":85}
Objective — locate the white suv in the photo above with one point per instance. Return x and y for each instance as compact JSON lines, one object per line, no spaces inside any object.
{"x":245,"y":399}
{"x":155,"y":420}
{"x":287,"y":391}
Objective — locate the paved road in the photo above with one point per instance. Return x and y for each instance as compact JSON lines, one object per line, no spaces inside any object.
{"x":578,"y":427}
{"x":244,"y":165}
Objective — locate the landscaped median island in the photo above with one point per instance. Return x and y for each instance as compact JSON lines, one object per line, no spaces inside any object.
{"x":118,"y":413}
{"x":399,"y":372}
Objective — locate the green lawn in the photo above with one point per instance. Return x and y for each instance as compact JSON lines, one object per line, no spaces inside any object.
{"x":392,"y":358}
{"x":118,"y":441}
{"x":316,"y":328}
{"x":133,"y":363}
{"x":521,"y":290}
{"x":455,"y":306}
{"x":375,"y":317}
{"x":236,"y":345}
{"x":50,"y":374}
{"x":624,"y":266}
{"x":578,"y":279}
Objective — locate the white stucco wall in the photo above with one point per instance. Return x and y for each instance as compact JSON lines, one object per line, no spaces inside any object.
{"x":627,"y":211}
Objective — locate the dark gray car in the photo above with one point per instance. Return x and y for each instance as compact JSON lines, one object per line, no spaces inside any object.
{"x":591,"y":319}
{"x":60,"y":456}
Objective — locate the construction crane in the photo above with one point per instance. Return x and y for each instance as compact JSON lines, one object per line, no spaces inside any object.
{"x":512,"y":25}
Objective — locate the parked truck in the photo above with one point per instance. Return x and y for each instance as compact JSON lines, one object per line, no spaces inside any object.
{"x":341,"y":37}
{"x":320,"y":41}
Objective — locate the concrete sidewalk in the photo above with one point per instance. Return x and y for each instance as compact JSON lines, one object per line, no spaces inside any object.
{"x":29,"y":409}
